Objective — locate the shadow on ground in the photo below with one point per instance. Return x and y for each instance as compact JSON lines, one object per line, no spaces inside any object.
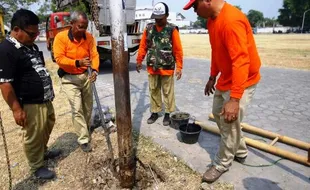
{"x":68,"y":144}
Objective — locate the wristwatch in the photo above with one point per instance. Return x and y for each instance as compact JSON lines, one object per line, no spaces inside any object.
{"x":211,"y":78}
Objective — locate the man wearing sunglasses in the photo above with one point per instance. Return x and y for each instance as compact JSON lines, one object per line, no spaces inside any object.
{"x":27,"y":88}
{"x":235,"y":56}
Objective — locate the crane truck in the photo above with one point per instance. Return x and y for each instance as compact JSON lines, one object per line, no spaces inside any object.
{"x":99,"y":25}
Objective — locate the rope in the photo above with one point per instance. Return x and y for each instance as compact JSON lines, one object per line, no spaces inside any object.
{"x":6,"y":154}
{"x":264,"y":165}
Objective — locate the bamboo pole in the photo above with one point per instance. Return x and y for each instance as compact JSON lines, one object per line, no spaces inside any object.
{"x":271,"y":135}
{"x":265,"y":147}
{"x":274,"y":141}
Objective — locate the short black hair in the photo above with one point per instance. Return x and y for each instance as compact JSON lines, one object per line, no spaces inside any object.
{"x":23,"y":18}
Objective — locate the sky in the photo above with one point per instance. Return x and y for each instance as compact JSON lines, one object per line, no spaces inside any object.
{"x":268,"y":7}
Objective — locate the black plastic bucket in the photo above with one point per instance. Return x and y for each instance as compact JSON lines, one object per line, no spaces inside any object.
{"x":178,"y":118}
{"x":190,"y":133}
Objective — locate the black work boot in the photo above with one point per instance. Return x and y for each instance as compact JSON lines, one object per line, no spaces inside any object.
{"x":50,"y":154}
{"x":44,"y":173}
{"x":153,"y":118}
{"x":86,"y":147}
{"x":241,"y":160}
{"x":166,"y":120}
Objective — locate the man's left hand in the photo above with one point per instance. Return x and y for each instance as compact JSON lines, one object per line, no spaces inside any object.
{"x":178,"y":74}
{"x":230,"y":110}
{"x":93,"y":76}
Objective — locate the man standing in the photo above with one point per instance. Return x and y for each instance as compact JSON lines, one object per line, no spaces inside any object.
{"x":75,"y":50}
{"x":27,"y":88}
{"x":235,"y":56}
{"x":161,"y":42}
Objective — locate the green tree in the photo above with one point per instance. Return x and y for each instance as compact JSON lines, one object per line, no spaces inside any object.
{"x":238,"y":7}
{"x":46,"y":8}
{"x":200,"y":22}
{"x":270,"y":22}
{"x":255,"y":17}
{"x":291,"y":14}
{"x":11,"y":6}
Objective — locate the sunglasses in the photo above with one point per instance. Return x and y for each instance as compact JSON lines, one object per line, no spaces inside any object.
{"x":31,"y":34}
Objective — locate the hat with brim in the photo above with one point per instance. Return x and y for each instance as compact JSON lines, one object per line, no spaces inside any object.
{"x":160,"y":10}
{"x":189,"y":4}
{"x":157,"y":16}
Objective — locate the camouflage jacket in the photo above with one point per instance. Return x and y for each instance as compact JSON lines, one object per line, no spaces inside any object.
{"x":159,"y":46}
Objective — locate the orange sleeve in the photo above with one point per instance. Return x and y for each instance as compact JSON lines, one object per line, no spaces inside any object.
{"x":59,"y":48}
{"x":235,"y":39}
{"x":177,"y":49}
{"x":142,"y":48}
{"x":94,"y":54}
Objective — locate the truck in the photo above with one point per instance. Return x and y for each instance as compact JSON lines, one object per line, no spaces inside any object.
{"x":99,"y":25}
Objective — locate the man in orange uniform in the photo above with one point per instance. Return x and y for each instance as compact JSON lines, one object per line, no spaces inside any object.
{"x":74,"y":51}
{"x":235,"y":56}
{"x":161,"y":42}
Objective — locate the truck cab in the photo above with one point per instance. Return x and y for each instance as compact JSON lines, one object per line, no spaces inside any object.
{"x":102,"y":32}
{"x":56,"y":23}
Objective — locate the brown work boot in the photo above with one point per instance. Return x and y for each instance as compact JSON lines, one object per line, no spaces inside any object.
{"x":211,"y":175}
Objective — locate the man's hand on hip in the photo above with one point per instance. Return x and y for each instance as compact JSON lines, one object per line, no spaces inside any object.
{"x":138,"y":67}
{"x":230,"y":110}
{"x":178,"y":74}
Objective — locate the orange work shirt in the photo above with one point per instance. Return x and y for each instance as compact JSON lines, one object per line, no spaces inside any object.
{"x":234,"y":52}
{"x":177,"y":52}
{"x":67,"y":50}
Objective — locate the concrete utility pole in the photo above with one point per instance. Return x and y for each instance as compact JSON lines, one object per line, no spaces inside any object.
{"x":303,"y":20}
{"x":122,"y":93}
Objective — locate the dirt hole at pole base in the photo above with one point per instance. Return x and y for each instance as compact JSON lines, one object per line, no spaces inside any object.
{"x":99,"y":176}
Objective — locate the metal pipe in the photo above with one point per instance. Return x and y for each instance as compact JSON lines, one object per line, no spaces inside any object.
{"x":103,"y":123}
{"x":122,"y":93}
{"x":287,"y":140}
{"x":264,"y":147}
{"x":303,"y":20}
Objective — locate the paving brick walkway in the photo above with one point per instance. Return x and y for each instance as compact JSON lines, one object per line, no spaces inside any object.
{"x":281,"y":104}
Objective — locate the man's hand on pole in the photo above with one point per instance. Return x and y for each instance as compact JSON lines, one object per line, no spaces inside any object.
{"x":93,"y":76}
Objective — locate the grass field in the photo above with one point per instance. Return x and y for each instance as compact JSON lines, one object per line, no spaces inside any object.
{"x":275,"y":50}
{"x":289,"y":51}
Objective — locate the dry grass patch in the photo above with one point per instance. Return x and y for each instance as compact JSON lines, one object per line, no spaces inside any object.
{"x":286,"y":50}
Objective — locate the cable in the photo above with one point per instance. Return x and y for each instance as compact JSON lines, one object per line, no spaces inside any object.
{"x":263,"y":165}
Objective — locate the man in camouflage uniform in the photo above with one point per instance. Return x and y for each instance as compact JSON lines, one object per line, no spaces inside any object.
{"x":162,"y":45}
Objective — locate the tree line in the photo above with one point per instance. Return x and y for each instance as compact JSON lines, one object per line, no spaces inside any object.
{"x":291,"y":15}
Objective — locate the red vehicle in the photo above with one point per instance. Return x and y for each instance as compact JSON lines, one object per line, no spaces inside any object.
{"x":56,"y":23}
